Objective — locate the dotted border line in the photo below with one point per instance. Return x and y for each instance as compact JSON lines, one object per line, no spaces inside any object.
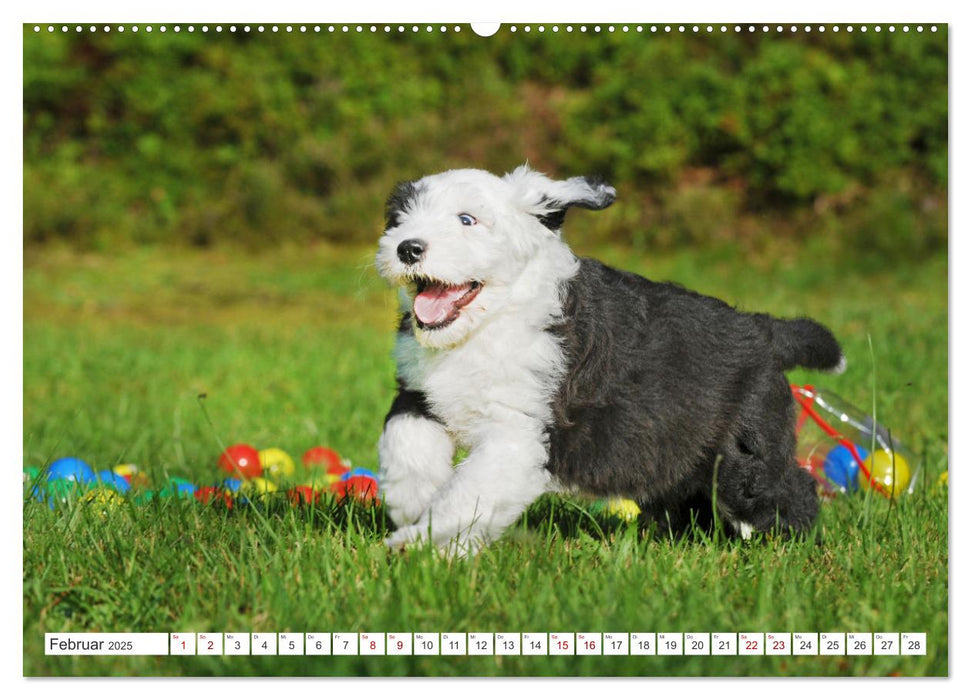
{"x":414,"y":28}
{"x":246,"y":28}
{"x":724,"y":28}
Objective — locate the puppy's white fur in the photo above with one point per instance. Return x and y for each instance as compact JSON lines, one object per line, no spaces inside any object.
{"x":491,"y":373}
{"x":410,"y":477}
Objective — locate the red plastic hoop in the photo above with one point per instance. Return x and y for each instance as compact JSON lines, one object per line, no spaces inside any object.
{"x":808,"y":411}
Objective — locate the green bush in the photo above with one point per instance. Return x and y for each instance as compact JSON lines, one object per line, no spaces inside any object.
{"x":258,"y":138}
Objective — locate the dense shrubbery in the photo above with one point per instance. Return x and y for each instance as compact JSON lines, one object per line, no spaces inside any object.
{"x":260,"y":138}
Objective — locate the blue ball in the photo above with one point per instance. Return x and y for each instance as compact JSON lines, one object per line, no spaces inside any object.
{"x":182,"y":487}
{"x":359,"y":471}
{"x":841,"y":468}
{"x":114,"y":481}
{"x":232,"y":485}
{"x":71,"y":469}
{"x":39,"y":494}
{"x":57,"y":491}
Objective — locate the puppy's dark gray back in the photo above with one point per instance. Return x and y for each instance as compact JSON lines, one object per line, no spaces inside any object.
{"x":654,"y":372}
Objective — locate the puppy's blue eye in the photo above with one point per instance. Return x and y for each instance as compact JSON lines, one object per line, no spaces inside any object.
{"x":467,"y":220}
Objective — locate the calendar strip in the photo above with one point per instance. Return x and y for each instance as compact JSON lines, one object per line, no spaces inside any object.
{"x":488,"y":644}
{"x":106,"y":644}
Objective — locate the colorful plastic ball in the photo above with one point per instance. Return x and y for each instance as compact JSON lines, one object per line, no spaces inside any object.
{"x":277,"y":464}
{"x":241,"y":459}
{"x":258,"y":487}
{"x":622,"y":508}
{"x":303,"y":495}
{"x":108,"y":478}
{"x":180,"y":488}
{"x":126,"y":471}
{"x":208,"y":494}
{"x":359,"y":487}
{"x":324,"y":458}
{"x":71,"y":469}
{"x":841,"y":468}
{"x":131,"y":474}
{"x":358,"y":471}
{"x":232,"y":485}
{"x":319,"y":482}
{"x":144,"y":497}
{"x":889,"y":471}
{"x":103,"y":498}
{"x":58,"y":491}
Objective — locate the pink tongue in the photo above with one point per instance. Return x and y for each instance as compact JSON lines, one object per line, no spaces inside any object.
{"x":436,"y":303}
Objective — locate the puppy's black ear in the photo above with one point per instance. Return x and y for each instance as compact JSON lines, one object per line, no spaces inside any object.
{"x":585,"y":192}
{"x":548,"y":200}
{"x":402,"y":198}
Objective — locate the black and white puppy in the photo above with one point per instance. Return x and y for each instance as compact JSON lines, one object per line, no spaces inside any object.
{"x":560,"y":373}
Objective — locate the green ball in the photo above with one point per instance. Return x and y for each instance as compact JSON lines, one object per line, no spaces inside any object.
{"x":59,"y":491}
{"x":620,"y":508}
{"x":144,"y":497}
{"x":180,"y":488}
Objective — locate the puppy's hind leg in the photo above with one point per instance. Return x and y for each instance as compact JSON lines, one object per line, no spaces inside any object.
{"x":415,"y":456}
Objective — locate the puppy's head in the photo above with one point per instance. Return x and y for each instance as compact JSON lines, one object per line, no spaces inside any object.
{"x":783,"y":501}
{"x":456,"y":242}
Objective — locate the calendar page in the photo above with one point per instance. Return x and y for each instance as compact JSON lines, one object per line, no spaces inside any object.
{"x":256,"y":442}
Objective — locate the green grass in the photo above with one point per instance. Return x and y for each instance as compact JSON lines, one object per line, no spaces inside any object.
{"x":293,"y":348}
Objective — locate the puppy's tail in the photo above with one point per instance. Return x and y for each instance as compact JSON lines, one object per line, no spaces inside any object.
{"x":801,"y":342}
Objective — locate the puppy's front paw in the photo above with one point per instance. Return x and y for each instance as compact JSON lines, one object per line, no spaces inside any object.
{"x":415,"y":536}
{"x":404,"y":537}
{"x":406,"y":498}
{"x":402,"y":513}
{"x":415,"y":454}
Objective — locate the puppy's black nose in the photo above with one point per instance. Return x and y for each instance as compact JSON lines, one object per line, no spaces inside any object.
{"x":411,"y":251}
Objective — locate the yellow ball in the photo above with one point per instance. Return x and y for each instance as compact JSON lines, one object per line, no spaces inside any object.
{"x":258,"y":487}
{"x":277,"y":463}
{"x":131,"y":474}
{"x":890,"y":471}
{"x":942,"y":479}
{"x":622,"y":508}
{"x":125,"y":470}
{"x":317,"y":481}
{"x":102,"y":498}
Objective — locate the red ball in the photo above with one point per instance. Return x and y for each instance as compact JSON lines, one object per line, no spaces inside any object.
{"x":324,"y":457}
{"x":208,"y":494}
{"x":241,"y":460}
{"x":363,"y":488}
{"x":303,"y":495}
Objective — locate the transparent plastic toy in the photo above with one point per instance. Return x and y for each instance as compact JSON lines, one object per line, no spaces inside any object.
{"x":846,"y":450}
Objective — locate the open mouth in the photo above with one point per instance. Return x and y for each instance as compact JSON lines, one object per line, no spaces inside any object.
{"x":437,"y":303}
